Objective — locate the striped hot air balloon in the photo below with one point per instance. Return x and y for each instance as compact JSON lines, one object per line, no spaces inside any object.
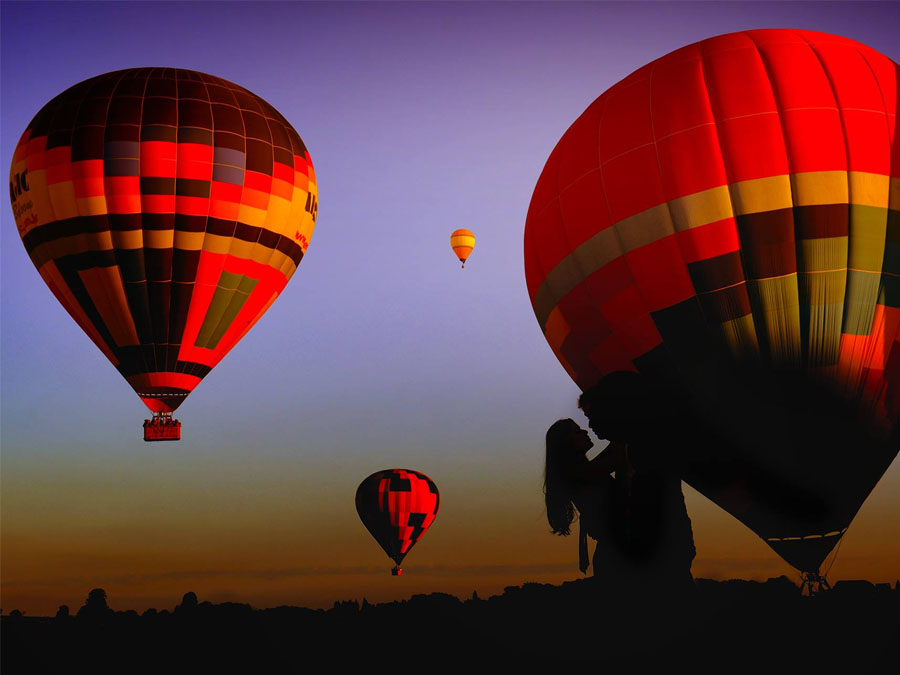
{"x":462,"y":242}
{"x":397,"y":506}
{"x":733,"y":208}
{"x":166,"y":209}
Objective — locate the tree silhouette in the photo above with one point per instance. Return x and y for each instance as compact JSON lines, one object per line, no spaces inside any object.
{"x":95,"y":606}
{"x":188,"y":602}
{"x":526,"y":628}
{"x":63,"y":612}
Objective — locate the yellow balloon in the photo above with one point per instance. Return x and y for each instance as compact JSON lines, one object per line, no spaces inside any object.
{"x":462,"y":242}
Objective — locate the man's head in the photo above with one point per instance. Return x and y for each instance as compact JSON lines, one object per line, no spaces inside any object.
{"x":618,"y":407}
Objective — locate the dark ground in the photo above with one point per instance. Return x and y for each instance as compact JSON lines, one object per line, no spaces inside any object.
{"x":732,"y":626}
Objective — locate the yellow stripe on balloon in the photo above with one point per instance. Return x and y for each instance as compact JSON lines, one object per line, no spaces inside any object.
{"x":866,"y":199}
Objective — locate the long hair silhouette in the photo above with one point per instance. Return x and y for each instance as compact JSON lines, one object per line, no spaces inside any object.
{"x":558,"y":466}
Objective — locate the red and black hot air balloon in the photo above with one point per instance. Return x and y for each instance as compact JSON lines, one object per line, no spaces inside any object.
{"x":397,"y":506}
{"x":166,"y":209}
{"x":726,"y":220}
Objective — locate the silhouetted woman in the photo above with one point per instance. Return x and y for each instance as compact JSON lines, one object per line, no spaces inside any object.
{"x":573,"y":484}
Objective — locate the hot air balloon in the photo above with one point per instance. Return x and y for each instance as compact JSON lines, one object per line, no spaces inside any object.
{"x":462,"y":242}
{"x":725,"y":221}
{"x":166,"y":209}
{"x":397,"y":506}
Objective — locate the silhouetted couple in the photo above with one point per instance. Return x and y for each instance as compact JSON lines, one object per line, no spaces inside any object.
{"x":637,"y":517}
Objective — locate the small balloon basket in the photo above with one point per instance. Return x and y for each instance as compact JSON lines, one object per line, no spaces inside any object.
{"x":162,"y":428}
{"x":396,"y":572}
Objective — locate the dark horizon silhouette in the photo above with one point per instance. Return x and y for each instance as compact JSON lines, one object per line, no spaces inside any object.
{"x":719,"y":624}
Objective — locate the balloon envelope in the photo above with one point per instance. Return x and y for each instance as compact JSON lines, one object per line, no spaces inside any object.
{"x":166,"y":209}
{"x":462,"y":242}
{"x":397,"y":506}
{"x":726,"y":220}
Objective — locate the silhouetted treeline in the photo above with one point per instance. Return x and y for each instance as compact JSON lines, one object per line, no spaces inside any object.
{"x":722,"y":626}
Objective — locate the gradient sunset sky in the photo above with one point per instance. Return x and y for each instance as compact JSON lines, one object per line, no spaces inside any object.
{"x":420,"y":119}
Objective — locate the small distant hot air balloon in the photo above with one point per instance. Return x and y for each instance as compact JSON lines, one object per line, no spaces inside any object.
{"x":462,"y":242}
{"x":166,"y":209}
{"x":397,"y":506}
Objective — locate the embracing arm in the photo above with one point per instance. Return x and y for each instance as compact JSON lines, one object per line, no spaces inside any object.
{"x":612,"y":458}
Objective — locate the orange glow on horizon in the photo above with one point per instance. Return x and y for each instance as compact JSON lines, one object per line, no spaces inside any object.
{"x":257,"y":558}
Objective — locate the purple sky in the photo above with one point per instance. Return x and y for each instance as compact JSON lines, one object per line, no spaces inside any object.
{"x":420,"y":119}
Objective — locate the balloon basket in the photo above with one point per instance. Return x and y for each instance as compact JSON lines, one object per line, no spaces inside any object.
{"x":162,"y":428}
{"x":813,"y":583}
{"x":396,"y":572}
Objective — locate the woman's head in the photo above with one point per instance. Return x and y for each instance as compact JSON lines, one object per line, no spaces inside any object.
{"x":566,"y":445}
{"x":567,"y":441}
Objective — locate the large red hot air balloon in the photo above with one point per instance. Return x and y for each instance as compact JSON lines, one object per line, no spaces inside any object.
{"x":397,"y":506}
{"x":726,"y":220}
{"x":166,"y":209}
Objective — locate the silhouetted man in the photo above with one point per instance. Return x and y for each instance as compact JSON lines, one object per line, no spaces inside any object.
{"x":652,"y":526}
